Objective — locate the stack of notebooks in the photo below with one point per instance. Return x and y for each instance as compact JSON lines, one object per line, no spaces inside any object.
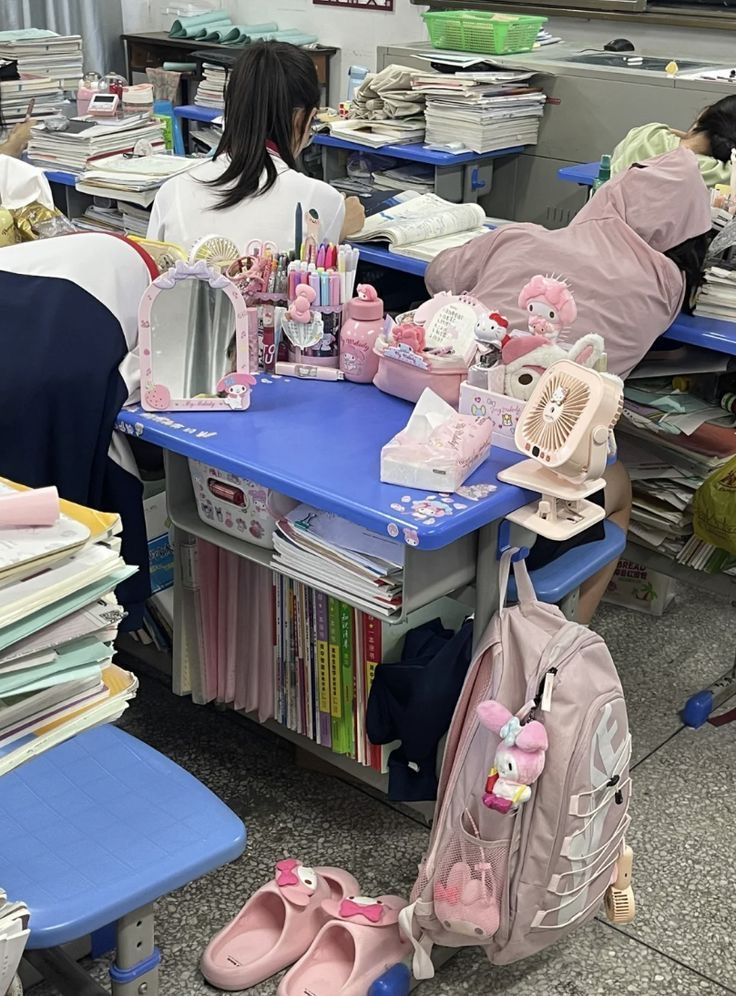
{"x":58,"y":621}
{"x":211,"y":89}
{"x":135,"y":179}
{"x":14,"y":933}
{"x":483,"y":111}
{"x":670,"y":441}
{"x":45,"y":53}
{"x":717,"y":296}
{"x":420,"y":226}
{"x":90,"y":142}
{"x":16,"y":95}
{"x":117,"y":217}
{"x":417,"y":177}
{"x":314,"y":545}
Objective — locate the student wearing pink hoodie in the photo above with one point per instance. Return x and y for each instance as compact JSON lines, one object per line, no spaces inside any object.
{"x":632,"y":257}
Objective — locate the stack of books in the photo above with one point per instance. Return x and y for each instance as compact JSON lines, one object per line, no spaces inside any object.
{"x":116,"y":217}
{"x":483,"y":111}
{"x":14,"y":933}
{"x":16,"y":95}
{"x":211,"y":89}
{"x":313,"y":545}
{"x":58,"y":620}
{"x":89,"y":142}
{"x":46,"y":53}
{"x":717,"y":295}
{"x":135,"y":179}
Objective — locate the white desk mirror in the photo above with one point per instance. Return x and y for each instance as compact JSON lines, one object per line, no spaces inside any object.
{"x":194,"y":336}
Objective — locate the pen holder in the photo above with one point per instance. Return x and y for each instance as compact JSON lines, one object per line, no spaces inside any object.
{"x":325,"y":351}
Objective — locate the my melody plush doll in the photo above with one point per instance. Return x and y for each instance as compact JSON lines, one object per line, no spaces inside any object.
{"x":550,"y":305}
{"x":519,"y":759}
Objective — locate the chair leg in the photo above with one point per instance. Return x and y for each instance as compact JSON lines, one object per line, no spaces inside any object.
{"x":135,"y":971}
{"x":69,"y":978}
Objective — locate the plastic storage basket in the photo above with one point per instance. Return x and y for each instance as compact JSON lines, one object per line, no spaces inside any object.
{"x":480,"y":31}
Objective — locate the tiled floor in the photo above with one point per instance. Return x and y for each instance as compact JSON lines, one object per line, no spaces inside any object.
{"x":684,"y":829}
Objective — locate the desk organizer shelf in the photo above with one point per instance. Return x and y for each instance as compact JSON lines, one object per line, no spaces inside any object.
{"x":428,"y":574}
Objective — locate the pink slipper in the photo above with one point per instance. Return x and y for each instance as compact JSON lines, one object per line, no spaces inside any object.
{"x":276,"y":925}
{"x":351,"y":951}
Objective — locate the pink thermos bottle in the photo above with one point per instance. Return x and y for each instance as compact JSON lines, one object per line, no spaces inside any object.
{"x":363,"y":325}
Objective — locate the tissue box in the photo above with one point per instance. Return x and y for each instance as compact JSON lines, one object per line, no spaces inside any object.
{"x":502,"y":411}
{"x":438,"y":449}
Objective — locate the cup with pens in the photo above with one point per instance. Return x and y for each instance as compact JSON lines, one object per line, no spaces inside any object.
{"x":261,"y":276}
{"x":329,"y":270}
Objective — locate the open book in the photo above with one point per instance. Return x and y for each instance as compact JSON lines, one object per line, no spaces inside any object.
{"x":423,"y":226}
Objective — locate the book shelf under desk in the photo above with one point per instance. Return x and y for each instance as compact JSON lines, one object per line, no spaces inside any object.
{"x":428,"y":574}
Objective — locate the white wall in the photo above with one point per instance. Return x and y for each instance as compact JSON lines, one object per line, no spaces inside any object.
{"x":355,"y":32}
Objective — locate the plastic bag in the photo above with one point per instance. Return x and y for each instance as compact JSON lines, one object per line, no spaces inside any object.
{"x":714,"y":509}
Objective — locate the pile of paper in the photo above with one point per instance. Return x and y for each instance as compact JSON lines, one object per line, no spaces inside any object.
{"x":484,"y":111}
{"x":418,"y":177}
{"x":717,"y":296}
{"x":14,"y":933}
{"x":16,"y":95}
{"x":46,"y":53}
{"x":58,"y":621}
{"x":135,"y":179}
{"x":312,"y":545}
{"x":90,"y":142}
{"x":211,"y":89}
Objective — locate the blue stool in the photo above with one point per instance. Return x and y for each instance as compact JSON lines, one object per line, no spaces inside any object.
{"x":561,"y":577}
{"x":94,"y":831}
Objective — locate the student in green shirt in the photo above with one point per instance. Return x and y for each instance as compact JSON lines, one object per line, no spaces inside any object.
{"x":711,"y":138}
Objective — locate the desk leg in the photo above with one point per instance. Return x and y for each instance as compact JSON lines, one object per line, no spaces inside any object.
{"x":486,"y":580}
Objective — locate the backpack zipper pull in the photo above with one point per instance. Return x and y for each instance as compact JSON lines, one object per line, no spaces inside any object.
{"x":549,"y":682}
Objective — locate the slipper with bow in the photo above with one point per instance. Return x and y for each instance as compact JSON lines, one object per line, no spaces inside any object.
{"x":276,"y":926}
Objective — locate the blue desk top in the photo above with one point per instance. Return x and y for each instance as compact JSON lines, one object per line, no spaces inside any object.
{"x":415,"y":152}
{"x":56,"y":176}
{"x":371,"y":252}
{"x":320,"y":442}
{"x":709,"y":333}
{"x":584,"y":174}
{"x":194,"y":113}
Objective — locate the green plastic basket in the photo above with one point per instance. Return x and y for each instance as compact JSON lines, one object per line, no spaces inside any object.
{"x":478,"y":31}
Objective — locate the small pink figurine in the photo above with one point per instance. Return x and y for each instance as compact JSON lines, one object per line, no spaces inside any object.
{"x":519,"y":757}
{"x":299,"y":310}
{"x":367,"y":292}
{"x":409,"y":335}
{"x":550,"y":305}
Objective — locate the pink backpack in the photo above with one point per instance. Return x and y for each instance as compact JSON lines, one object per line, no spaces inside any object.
{"x":518,"y":858}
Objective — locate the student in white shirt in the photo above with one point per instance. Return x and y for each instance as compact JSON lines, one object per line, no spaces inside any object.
{"x":251,"y":188}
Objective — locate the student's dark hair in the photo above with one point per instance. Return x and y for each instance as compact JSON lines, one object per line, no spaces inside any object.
{"x":270,"y":81}
{"x":718,"y":122}
{"x":689,"y":257}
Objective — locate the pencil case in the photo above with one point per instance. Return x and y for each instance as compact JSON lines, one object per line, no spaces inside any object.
{"x":237,"y":506}
{"x":406,"y":374}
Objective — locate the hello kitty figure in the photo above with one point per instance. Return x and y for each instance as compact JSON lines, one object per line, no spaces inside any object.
{"x":519,"y":759}
{"x":490,"y":332}
{"x":236,"y":388}
{"x":550,"y":305}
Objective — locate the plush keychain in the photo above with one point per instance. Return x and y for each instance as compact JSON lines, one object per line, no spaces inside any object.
{"x":519,"y":757}
{"x":490,"y":332}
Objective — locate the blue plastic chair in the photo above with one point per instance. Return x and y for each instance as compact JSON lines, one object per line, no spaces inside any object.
{"x":561,"y":577}
{"x":91,"y":833}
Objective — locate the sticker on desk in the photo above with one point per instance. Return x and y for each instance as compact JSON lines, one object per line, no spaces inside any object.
{"x":475,"y":492}
{"x":138,"y":428}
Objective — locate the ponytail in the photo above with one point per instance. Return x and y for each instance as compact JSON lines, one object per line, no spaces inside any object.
{"x":718,"y":122}
{"x":270,"y":82}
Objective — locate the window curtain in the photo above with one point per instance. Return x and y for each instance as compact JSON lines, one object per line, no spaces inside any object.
{"x":99,"y":22}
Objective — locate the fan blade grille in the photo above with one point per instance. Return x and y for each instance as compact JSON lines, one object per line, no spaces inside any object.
{"x":550,"y":423}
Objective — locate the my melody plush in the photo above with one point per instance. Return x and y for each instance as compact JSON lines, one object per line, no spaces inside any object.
{"x":523,"y":356}
{"x":519,"y":759}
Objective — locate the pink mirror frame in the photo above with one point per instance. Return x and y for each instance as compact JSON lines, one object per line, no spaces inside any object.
{"x":237,"y":385}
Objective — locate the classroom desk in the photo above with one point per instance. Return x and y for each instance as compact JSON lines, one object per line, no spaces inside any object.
{"x":379,"y":255}
{"x":320,"y":443}
{"x":584,"y":174}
